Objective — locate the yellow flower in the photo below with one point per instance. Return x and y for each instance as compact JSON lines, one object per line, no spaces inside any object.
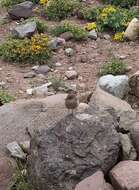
{"x":119,"y":37}
{"x":43,"y":2}
{"x":91,"y":26}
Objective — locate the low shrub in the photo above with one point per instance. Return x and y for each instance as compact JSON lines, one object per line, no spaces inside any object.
{"x":113,"y":18}
{"x":61,"y":9}
{"x":78,"y":32}
{"x":34,"y":50}
{"x":5,"y":97}
{"x":122,"y":3}
{"x":114,"y":67}
{"x":9,"y":3}
{"x":57,"y":83}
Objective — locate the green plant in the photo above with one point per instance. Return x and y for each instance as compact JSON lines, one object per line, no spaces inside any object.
{"x":20,"y":178}
{"x":34,"y":50}
{"x":89,"y":13}
{"x":5,"y":97}
{"x":41,"y":24}
{"x":9,"y":3}
{"x":114,"y":67}
{"x":57,"y":83}
{"x":113,"y":18}
{"x":60,"y":9}
{"x":122,"y":3}
{"x":78,"y":32}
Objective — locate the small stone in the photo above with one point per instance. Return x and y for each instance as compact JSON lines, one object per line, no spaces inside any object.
{"x":83,"y":59}
{"x":71,"y":74}
{"x":70,"y":68}
{"x":35,"y":67}
{"x":67,"y":36}
{"x":43,"y":69}
{"x":16,"y":150}
{"x":69,"y":52}
{"x":2,"y":83}
{"x":107,"y":37}
{"x":0,"y":69}
{"x":58,"y":64}
{"x":29,"y":91}
{"x":92,"y":34}
{"x":57,"y":43}
{"x":30,"y":75}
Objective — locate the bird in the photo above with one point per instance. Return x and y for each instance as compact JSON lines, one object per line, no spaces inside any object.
{"x":71,"y":101}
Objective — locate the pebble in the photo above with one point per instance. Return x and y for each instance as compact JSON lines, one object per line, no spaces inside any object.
{"x":69,"y":52}
{"x":58,"y":64}
{"x":71,"y":74}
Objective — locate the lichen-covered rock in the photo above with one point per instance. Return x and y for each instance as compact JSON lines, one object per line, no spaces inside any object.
{"x":73,"y":149}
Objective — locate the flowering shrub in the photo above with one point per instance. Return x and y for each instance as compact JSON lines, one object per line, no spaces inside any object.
{"x":91,"y":26}
{"x":34,"y":50}
{"x":113,"y":18}
{"x":43,"y":2}
{"x":78,"y":32}
{"x":119,"y":36}
{"x":60,"y":9}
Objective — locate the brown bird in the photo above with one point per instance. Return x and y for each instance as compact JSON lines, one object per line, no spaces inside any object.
{"x":71,"y":101}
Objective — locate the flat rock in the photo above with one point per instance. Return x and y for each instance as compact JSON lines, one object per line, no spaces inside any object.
{"x":43,"y":69}
{"x":30,"y":74}
{"x":66,"y":36}
{"x":25,"y":30}
{"x":7,"y":169}
{"x":31,"y":114}
{"x":22,"y":10}
{"x":125,"y":175}
{"x":115,"y":85}
{"x":94,"y":182}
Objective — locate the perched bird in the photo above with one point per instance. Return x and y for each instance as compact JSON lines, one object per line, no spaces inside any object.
{"x":71,"y":101}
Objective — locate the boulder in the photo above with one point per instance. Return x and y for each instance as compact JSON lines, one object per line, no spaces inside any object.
{"x":125,"y":175}
{"x":25,"y":30}
{"x":135,"y":136}
{"x":134,"y":84}
{"x":131,"y":32}
{"x":126,"y":115}
{"x":73,"y":149}
{"x":128,"y":150}
{"x":22,"y":10}
{"x":115,"y":85}
{"x":94,"y":182}
{"x":32,"y":114}
{"x":7,"y":169}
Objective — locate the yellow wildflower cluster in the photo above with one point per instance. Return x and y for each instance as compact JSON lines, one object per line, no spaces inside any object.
{"x":91,"y":26}
{"x":119,"y":37}
{"x":43,"y":2}
{"x":39,"y":43}
{"x":107,"y":11}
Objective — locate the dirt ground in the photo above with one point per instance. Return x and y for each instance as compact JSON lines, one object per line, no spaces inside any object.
{"x":94,"y":53}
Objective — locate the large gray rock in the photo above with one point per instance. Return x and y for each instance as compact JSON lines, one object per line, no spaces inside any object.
{"x":22,"y":10}
{"x":127,"y":116}
{"x":25,"y":30}
{"x":115,"y":85}
{"x":73,"y":149}
{"x":33,"y":113}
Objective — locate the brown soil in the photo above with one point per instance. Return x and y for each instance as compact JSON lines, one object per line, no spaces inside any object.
{"x":96,"y":53}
